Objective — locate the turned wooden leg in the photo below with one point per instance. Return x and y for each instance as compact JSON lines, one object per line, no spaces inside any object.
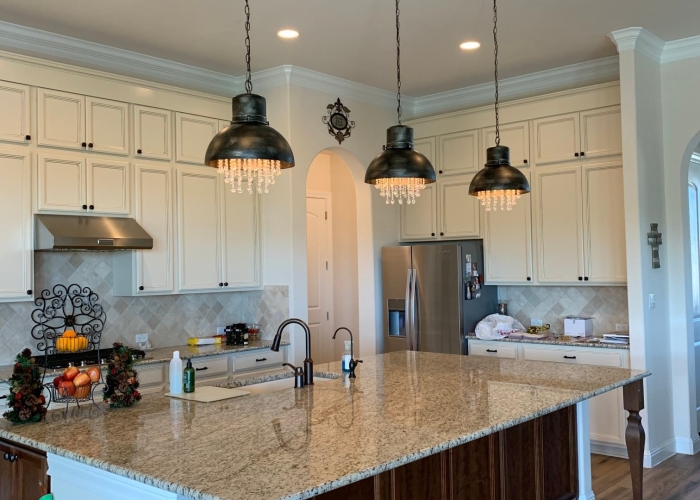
{"x":634,"y":435}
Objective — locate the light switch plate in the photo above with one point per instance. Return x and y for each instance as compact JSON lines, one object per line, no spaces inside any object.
{"x":220,"y":330}
{"x":622,"y":327}
{"x":141,"y":338}
{"x":652,"y":301}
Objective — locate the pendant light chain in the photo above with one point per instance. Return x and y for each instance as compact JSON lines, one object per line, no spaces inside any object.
{"x":495,"y":53}
{"x":248,"y":80}
{"x":398,"y":61}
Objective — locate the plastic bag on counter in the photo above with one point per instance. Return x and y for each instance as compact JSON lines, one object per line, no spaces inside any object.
{"x":497,"y":326}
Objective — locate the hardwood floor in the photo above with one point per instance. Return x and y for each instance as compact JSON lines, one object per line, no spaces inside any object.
{"x":678,"y":478}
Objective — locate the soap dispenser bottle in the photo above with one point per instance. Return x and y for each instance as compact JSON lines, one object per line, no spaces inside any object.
{"x":176,"y":374}
{"x":188,"y":377}
{"x":346,"y":357}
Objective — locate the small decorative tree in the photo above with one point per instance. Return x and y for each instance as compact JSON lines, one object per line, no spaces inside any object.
{"x":26,"y":401}
{"x":122,"y":379}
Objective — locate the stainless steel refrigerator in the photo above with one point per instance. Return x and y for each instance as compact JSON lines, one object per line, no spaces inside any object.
{"x":432,"y":295}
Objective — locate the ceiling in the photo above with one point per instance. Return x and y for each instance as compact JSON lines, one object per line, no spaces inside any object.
{"x":354,"y":39}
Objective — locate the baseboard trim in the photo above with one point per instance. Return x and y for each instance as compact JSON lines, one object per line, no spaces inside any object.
{"x":583,"y":496}
{"x":654,"y":457}
{"x":688,"y":446}
{"x":608,"y":449}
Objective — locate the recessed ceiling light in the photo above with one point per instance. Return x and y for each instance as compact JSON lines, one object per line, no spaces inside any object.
{"x":288,"y":34}
{"x":471,"y":45}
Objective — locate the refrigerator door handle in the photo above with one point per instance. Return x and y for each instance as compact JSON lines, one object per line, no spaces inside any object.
{"x":415,"y":306}
{"x":408,"y":315}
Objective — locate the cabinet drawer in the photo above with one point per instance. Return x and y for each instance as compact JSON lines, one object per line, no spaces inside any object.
{"x":494,"y":350}
{"x":575,"y":355}
{"x":210,"y":367}
{"x":258,"y":359}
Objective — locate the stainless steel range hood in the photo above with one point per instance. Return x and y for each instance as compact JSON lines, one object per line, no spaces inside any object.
{"x":75,"y":232}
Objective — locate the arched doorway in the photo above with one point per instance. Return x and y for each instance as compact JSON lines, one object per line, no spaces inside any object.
{"x":332,"y":255}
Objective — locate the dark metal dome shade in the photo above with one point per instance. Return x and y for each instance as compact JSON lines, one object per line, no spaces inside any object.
{"x":399,"y":160}
{"x":249,"y":137}
{"x":498,"y":174}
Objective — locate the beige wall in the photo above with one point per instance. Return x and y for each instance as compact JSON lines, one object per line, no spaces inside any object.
{"x":319,"y":177}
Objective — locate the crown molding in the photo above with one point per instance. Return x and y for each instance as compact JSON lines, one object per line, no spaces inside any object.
{"x":679,"y":50}
{"x":548,"y":81}
{"x":647,"y":43}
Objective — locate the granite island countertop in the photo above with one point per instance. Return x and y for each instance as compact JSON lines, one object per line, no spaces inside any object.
{"x":297,"y":443}
{"x":561,"y":340}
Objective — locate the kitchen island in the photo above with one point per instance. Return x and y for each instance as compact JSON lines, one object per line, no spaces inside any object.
{"x":412,"y":425}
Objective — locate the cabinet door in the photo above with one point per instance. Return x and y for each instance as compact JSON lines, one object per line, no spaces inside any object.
{"x":152,"y":133}
{"x":604,"y":223}
{"x":108,"y":187}
{"x":607,"y":418}
{"x":106,"y":126}
{"x":514,"y":135}
{"x":419,"y":221}
{"x":7,"y":473}
{"x":14,"y":112}
{"x":458,"y":211}
{"x":508,"y":243}
{"x":61,"y":119}
{"x":558,"y":209}
{"x":61,"y":183}
{"x":556,"y":138}
{"x":154,"y":208}
{"x":426,"y":147}
{"x":601,"y":132}
{"x":241,"y":238}
{"x":30,"y":474}
{"x":459,"y":153}
{"x":199,"y":246}
{"x":193,"y":135}
{"x":223,"y":124}
{"x":15,"y":226}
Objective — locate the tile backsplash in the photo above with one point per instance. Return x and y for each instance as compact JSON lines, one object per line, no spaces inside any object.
{"x":169,"y":320}
{"x":607,"y":305}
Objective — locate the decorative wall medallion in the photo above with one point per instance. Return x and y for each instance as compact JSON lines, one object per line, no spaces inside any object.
{"x":338,"y":121}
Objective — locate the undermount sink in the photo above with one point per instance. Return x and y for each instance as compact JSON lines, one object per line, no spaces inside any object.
{"x":277,"y":385}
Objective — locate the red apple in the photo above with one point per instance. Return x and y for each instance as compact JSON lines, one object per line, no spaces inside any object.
{"x":81,"y":379}
{"x":70,"y":373}
{"x":66,"y":388}
{"x":94,"y":374}
{"x":57,"y":381}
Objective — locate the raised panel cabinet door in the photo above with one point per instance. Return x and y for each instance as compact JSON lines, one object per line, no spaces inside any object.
{"x":223,"y":124}
{"x":601,"y":132}
{"x":607,"y":418}
{"x":154,"y":212}
{"x":426,"y":147}
{"x":514,"y":135}
{"x":458,"y":211}
{"x":60,"y":119}
{"x":7,"y":473}
{"x":16,"y":251}
{"x":14,"y":112}
{"x":152,"y":133}
{"x":508,"y":243}
{"x":558,"y":208}
{"x":459,"y":153}
{"x":61,"y":183}
{"x":198,"y":223}
{"x":31,"y":474}
{"x":556,"y":139}
{"x":193,"y":135}
{"x":241,"y":237}
{"x":604,"y":224}
{"x":419,"y":220}
{"x":108,"y":187}
{"x":106,"y":126}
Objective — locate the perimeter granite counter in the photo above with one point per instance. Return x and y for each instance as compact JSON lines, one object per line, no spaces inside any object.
{"x":561,"y":340}
{"x":298,"y":443}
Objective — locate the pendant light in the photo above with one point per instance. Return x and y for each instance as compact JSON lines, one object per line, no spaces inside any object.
{"x":249,"y":148}
{"x":498,"y":185}
{"x":399,"y":172}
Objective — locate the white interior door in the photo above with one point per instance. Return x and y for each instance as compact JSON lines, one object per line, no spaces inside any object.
{"x":320,"y":287}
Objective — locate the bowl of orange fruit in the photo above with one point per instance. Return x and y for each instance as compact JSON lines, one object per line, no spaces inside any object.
{"x":70,"y":341}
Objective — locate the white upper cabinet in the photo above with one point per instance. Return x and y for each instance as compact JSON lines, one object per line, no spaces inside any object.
{"x":459,"y":153}
{"x":14,"y":112}
{"x":199,"y":226}
{"x":426,"y":147}
{"x":556,"y":139}
{"x":558,"y":210}
{"x":601,"y":132}
{"x":223,"y":124}
{"x":61,"y":183}
{"x":604,"y":224}
{"x":458,"y":212}
{"x":61,"y":119}
{"x":108,"y":187}
{"x":152,"y":133}
{"x":106,"y":125}
{"x":241,"y":239}
{"x":16,"y":250}
{"x":419,"y":221}
{"x":508,"y":243}
{"x":193,"y":135}
{"x":514,"y":135}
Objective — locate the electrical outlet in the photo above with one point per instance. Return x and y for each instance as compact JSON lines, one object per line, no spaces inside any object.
{"x":141,"y":338}
{"x":535,"y":322}
{"x":622,"y":327}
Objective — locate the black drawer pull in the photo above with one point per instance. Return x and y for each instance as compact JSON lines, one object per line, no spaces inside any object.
{"x":491,"y":350}
{"x":3,"y":397}
{"x":202,"y":369}
{"x":260,"y":359}
{"x":569,"y":357}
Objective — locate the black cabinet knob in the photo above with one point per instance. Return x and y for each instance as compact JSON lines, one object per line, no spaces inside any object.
{"x":138,"y":151}
{"x":13,"y":458}
{"x":225,"y":283}
{"x":84,"y":144}
{"x":525,"y":162}
{"x":90,"y":145}
{"x":84,"y":207}
{"x":576,"y":155}
{"x":442,"y":234}
{"x":221,"y":284}
{"x":28,"y":137}
{"x":92,"y":207}
{"x":583,"y":154}
{"x":439,"y":171}
{"x":6,"y":456}
{"x":432,"y":234}
{"x":580,"y":278}
{"x":529,"y":278}
{"x":585,"y":278}
{"x":141,"y":287}
{"x":29,"y":292}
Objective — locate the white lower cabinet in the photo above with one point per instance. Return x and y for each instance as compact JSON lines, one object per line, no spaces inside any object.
{"x":607,"y":414}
